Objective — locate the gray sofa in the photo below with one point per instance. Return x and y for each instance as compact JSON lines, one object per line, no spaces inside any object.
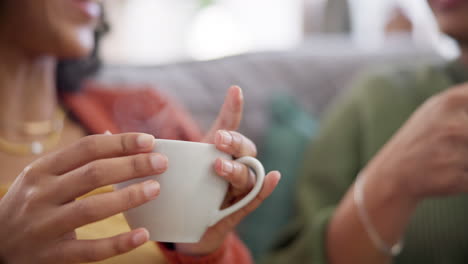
{"x":311,"y":74}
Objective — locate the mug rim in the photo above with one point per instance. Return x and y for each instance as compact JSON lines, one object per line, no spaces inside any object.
{"x":181,"y":142}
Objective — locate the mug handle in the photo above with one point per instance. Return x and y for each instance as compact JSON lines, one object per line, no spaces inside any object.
{"x":254,"y":164}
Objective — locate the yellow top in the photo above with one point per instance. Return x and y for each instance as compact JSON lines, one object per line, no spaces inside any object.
{"x":146,"y":254}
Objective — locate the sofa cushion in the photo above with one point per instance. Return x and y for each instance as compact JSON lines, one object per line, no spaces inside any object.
{"x":291,"y":128}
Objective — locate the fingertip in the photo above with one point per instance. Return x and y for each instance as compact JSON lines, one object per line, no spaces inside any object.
{"x":238,"y":96}
{"x":145,"y":141}
{"x":236,"y":89}
{"x":218,"y":139}
{"x":224,"y":167}
{"x":218,"y":166}
{"x":275,"y":177}
{"x":241,"y":93}
{"x":151,"y":189}
{"x":159,"y":162}
{"x":278,"y":175}
{"x":235,"y":98}
{"x":140,"y":236}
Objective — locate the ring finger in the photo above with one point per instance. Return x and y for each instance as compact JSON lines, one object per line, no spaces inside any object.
{"x":237,"y":174}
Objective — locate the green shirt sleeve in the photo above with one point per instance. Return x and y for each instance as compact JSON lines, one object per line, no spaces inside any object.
{"x":354,"y":130}
{"x":331,"y":164}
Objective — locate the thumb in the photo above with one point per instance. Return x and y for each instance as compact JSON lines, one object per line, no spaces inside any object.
{"x":230,"y":115}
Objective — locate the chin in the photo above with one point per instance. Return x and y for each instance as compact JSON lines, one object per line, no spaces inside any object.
{"x":457,"y":31}
{"x":77,"y":45}
{"x":453,"y":21}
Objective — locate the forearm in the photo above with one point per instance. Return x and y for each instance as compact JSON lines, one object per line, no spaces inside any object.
{"x":389,"y":211}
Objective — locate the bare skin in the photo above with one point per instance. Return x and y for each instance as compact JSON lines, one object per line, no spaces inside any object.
{"x":425,"y":158}
{"x":12,"y":165}
{"x":39,"y":213}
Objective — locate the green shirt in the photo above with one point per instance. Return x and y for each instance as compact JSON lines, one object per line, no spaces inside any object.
{"x":357,"y":126}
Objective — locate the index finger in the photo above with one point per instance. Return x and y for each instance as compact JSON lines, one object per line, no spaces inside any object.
{"x":230,"y":115}
{"x":95,"y":147}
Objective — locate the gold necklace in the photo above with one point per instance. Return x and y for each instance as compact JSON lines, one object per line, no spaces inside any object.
{"x":40,"y":128}
{"x":37,"y":147}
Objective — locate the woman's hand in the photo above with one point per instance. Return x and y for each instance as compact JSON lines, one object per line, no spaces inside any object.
{"x":429,"y":155}
{"x":39,"y":213}
{"x":242,"y":180}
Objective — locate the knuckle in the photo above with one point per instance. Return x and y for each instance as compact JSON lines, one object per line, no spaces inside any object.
{"x":34,"y":230}
{"x":241,"y":173}
{"x":238,"y":140}
{"x":87,"y":213}
{"x":125,"y":146}
{"x":31,"y":196}
{"x":29,"y":174}
{"x":239,"y":170}
{"x":451,"y":98}
{"x":446,"y":186}
{"x":453,"y":133}
{"x":243,"y":145}
{"x":119,"y":246}
{"x":93,"y":173}
{"x":133,"y":196}
{"x":90,"y":254}
{"x":89,"y":144}
{"x":56,"y":254}
{"x":140,"y":164}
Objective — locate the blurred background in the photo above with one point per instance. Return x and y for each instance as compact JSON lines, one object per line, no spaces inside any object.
{"x":291,"y":57}
{"x":161,"y":31}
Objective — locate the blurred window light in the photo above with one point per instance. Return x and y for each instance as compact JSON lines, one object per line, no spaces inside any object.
{"x":370,"y":16}
{"x":215,"y":33}
{"x":161,"y":31}
{"x":147,"y":31}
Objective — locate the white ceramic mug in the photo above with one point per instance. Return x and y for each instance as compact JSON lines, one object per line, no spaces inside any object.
{"x":191,"y":193}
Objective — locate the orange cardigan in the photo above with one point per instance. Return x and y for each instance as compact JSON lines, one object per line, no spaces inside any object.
{"x":122,"y":109}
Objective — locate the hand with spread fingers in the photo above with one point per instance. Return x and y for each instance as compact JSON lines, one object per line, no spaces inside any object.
{"x":40,"y":212}
{"x":240,"y":177}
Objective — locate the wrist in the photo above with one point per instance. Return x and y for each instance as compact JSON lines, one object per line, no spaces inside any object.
{"x":388,"y":191}
{"x":379,"y":200}
{"x":390,"y":187}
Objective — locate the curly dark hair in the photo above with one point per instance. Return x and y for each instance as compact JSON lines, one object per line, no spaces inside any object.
{"x":71,"y":73}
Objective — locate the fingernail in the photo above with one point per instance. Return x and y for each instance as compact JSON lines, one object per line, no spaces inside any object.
{"x":227,"y":167}
{"x":145,"y":141}
{"x":226,"y":137}
{"x":140,"y":237}
{"x":158,"y":162}
{"x":241,"y":93}
{"x":151,"y":189}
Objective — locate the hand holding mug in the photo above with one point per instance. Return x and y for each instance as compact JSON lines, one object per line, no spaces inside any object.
{"x":204,"y":192}
{"x":39,"y":213}
{"x":240,"y":177}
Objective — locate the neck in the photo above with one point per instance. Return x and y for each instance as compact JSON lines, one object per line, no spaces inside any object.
{"x":27,"y":89}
